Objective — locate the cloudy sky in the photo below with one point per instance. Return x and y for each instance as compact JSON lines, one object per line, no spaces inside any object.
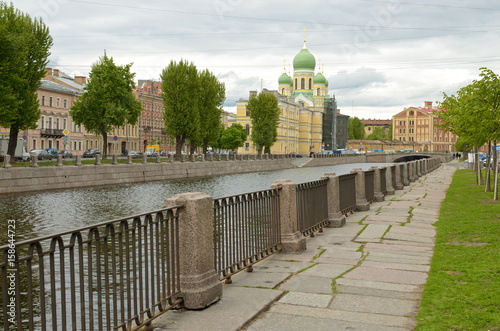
{"x":378,"y":56}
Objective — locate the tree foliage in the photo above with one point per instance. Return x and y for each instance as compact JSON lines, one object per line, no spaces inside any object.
{"x":233,"y":137}
{"x":180,"y":90}
{"x":377,"y":134}
{"x":355,"y":129}
{"x":24,"y":49}
{"x":474,"y":113}
{"x":108,"y":101}
{"x":265,"y":114}
{"x":212,"y":94}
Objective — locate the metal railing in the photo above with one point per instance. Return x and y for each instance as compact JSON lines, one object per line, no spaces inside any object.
{"x":246,"y":230}
{"x":383,"y":181}
{"x":369,"y":186}
{"x":312,"y":206}
{"x":115,"y":275}
{"x":347,"y":188}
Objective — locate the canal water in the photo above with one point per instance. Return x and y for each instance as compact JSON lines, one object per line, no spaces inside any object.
{"x":44,"y":213}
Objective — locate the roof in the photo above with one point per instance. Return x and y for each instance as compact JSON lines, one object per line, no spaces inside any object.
{"x":69,"y":81}
{"x":304,"y":60}
{"x":376,"y":122}
{"x":53,"y":86}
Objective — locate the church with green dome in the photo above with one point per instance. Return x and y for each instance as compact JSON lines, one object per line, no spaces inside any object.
{"x":305,"y":87}
{"x":308,"y":121}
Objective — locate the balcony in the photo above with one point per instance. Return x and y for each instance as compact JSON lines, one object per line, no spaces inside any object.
{"x":51,"y":133}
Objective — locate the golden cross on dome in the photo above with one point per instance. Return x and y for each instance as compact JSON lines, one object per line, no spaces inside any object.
{"x":305,"y":38}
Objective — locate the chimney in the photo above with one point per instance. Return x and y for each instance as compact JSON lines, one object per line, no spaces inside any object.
{"x":48,"y":71}
{"x":82,"y":80}
{"x":55,"y":72}
{"x":428,"y":104}
{"x":253,"y":94}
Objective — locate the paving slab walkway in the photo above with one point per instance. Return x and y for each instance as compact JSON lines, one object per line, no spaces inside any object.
{"x":367,"y":275}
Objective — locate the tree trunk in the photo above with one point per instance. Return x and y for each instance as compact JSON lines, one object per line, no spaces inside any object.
{"x":259,"y":150}
{"x":104,"y":142}
{"x":179,"y":141}
{"x":205,"y":146}
{"x":267,"y":150}
{"x":487,"y":185}
{"x":11,"y":150}
{"x":495,"y":164}
{"x":192,"y":147}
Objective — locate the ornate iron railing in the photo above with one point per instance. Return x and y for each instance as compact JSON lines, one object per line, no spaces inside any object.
{"x":347,"y":188}
{"x":312,"y":206}
{"x":369,"y":186}
{"x":115,"y":275}
{"x":246,"y":230}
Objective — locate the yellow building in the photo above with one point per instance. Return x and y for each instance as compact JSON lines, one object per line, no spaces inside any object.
{"x":420,"y":124}
{"x":303,"y":101}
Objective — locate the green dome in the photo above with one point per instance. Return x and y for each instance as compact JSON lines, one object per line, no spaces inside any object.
{"x":320,"y":79}
{"x":304,"y":60}
{"x":285,"y":79}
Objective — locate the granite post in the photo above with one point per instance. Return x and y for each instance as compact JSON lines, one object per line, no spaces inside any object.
{"x":59,"y":160}
{"x":97,"y":159}
{"x":78,"y":161}
{"x":406,"y":180}
{"x":199,"y":283}
{"x":377,"y":188}
{"x":144,"y":159}
{"x":335,"y":216}
{"x":411,"y":172}
{"x":34,"y":161}
{"x":361,"y":203}
{"x":388,"y":181}
{"x":158,"y":160}
{"x":114,"y":159}
{"x":6,"y":161}
{"x":292,"y":240}
{"x":129,"y":159}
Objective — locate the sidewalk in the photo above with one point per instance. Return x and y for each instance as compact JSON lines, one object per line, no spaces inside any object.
{"x":368,"y":275}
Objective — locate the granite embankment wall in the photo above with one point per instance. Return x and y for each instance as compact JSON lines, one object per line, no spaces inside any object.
{"x":328,"y":161}
{"x":30,"y":179}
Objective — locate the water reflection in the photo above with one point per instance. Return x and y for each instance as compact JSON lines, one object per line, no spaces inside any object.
{"x":44,"y":213}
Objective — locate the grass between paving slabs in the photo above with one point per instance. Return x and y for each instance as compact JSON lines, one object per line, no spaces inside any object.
{"x":463,"y":288}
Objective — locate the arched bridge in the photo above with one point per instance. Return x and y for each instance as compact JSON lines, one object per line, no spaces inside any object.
{"x":381,"y":157}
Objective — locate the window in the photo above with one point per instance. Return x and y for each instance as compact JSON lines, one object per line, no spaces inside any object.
{"x":295,"y":83}
{"x":34,"y":143}
{"x":65,"y":124}
{"x":75,"y":146}
{"x":50,"y":143}
{"x":57,"y":145}
{"x":247,"y":146}
{"x":58,"y":123}
{"x":42,"y":122}
{"x":79,"y":145}
{"x":247,"y":127}
{"x":319,"y":91}
{"x":50,"y":125}
{"x":42,"y":144}
{"x":302,"y":83}
{"x":43,"y":100}
{"x":369,"y":128}
{"x":310,"y":83}
{"x":50,"y":101}
{"x":65,"y":103}
{"x":58,"y":102}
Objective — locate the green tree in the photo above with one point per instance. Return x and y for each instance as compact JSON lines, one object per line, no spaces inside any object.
{"x":211,"y":97}
{"x":389,"y":132}
{"x":474,"y":115}
{"x":108,"y":101}
{"x":265,"y":114}
{"x":180,"y":89}
{"x":24,"y":49}
{"x":377,"y":134}
{"x":355,"y":129}
{"x":233,"y":137}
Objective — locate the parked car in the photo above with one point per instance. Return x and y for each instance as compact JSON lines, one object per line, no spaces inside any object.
{"x":52,"y":151}
{"x":66,"y":154}
{"x":293,"y":154}
{"x":41,"y":154}
{"x":91,"y":152}
{"x":163,"y":153}
{"x":135,"y":154}
{"x":150,"y":152}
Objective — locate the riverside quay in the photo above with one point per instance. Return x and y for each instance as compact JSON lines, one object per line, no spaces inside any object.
{"x":123,"y":273}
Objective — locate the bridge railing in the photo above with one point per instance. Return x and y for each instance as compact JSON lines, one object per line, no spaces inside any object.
{"x":246,"y":230}
{"x":312,"y":206}
{"x":118,"y":275}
